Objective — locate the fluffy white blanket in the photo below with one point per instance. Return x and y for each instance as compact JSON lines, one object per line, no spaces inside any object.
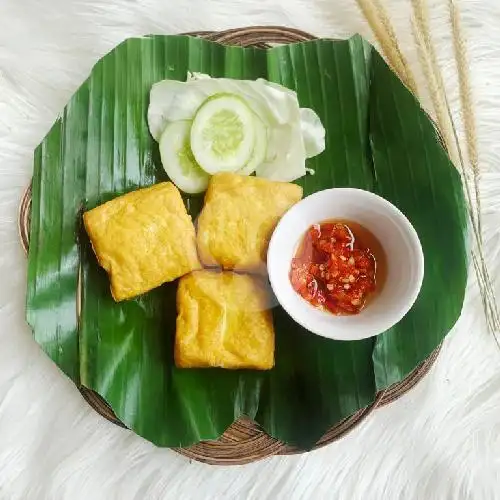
{"x":441,"y":441}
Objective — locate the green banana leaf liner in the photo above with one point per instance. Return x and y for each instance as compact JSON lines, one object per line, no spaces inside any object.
{"x":377,"y":138}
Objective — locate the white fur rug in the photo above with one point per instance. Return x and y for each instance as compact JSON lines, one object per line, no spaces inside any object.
{"x":441,"y":441}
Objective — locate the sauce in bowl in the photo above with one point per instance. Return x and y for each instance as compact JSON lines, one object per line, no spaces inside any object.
{"x":338,"y":267}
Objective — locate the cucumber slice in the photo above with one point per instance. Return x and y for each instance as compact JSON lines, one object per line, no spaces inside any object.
{"x":178,"y":160}
{"x":260,"y":149}
{"x":223,"y":134}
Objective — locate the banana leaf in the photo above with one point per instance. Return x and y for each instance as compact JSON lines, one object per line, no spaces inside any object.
{"x":378,"y":138}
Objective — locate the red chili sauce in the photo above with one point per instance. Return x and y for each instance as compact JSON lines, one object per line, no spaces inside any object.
{"x":335,"y":269}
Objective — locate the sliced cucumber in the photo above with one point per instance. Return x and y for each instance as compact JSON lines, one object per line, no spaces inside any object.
{"x":178,"y":160}
{"x":223,"y":134}
{"x":260,"y":149}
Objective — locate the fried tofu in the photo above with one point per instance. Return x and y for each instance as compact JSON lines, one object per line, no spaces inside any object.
{"x":224,"y":320}
{"x":143,"y":239}
{"x":238,"y":218}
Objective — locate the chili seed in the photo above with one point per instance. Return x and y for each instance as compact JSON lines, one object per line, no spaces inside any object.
{"x":352,"y":279}
{"x":347,"y":287}
{"x":329,"y":286}
{"x":355,"y":302}
{"x":351,"y":261}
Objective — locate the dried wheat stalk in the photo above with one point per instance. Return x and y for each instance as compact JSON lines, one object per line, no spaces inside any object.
{"x":468,"y":113}
{"x":469,"y":119}
{"x":428,"y":59}
{"x":379,"y":22}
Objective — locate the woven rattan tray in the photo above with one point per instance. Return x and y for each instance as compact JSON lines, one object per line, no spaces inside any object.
{"x":244,"y":441}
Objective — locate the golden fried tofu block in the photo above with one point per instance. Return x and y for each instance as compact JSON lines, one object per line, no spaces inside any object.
{"x":238,"y":218}
{"x":224,"y":320}
{"x":143,"y":239}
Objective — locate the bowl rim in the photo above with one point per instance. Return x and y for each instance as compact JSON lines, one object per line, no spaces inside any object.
{"x":403,"y":222}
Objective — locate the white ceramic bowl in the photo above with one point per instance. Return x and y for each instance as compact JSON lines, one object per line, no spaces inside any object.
{"x":405,"y":262}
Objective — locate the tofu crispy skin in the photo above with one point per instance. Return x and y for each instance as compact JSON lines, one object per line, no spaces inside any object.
{"x":223,"y":321}
{"x":143,"y":239}
{"x":238,"y":218}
